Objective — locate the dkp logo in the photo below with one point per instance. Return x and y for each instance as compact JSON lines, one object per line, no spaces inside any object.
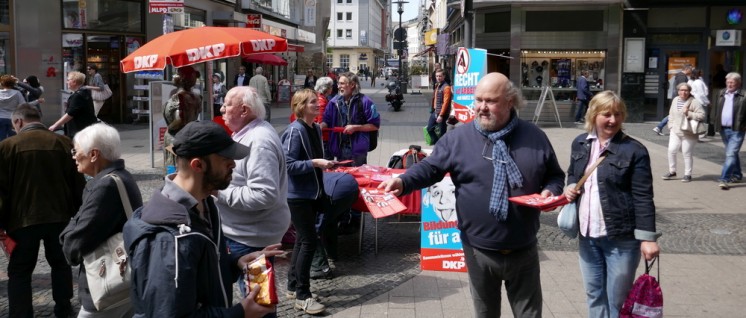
{"x":205,"y":52}
{"x":262,"y":45}
{"x":145,"y":61}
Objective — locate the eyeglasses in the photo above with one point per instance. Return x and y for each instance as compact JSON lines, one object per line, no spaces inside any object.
{"x":73,"y":152}
{"x":489,"y":157}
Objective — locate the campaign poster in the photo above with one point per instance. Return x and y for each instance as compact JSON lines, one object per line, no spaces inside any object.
{"x":440,"y":242}
{"x":471,"y":66}
{"x":676,"y":65}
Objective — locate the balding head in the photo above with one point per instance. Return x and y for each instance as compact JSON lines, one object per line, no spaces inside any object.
{"x":494,"y":99}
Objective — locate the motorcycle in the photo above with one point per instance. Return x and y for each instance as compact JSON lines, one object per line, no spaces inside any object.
{"x":395,"y":98}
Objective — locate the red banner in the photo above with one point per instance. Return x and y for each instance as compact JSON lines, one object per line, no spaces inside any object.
{"x":253,"y":21}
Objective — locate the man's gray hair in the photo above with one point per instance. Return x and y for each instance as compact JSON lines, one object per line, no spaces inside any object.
{"x":27,"y":113}
{"x":513,"y":93}
{"x":352,"y":77}
{"x":733,"y":76}
{"x":259,"y":70}
{"x":102,"y":137}
{"x":250,"y":97}
{"x":323,"y":84}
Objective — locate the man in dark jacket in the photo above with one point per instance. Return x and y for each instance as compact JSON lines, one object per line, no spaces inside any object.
{"x":583,"y":96}
{"x":498,"y":237}
{"x":40,"y":190}
{"x":180,"y":264}
{"x":729,"y":118}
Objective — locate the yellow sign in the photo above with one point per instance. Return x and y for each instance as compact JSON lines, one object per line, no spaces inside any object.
{"x":431,"y":37}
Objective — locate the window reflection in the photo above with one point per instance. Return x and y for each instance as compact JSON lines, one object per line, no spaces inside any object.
{"x":112,"y":15}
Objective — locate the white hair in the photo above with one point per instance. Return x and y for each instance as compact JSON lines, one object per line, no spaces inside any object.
{"x":102,"y":137}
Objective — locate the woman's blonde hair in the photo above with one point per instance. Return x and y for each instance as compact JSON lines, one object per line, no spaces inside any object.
{"x":603,"y":102}
{"x":300,"y":101}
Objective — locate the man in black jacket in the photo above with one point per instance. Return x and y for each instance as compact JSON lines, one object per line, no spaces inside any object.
{"x":179,"y":260}
{"x":40,"y":190}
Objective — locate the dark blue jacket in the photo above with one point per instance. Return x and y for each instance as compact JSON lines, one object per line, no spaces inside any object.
{"x":302,"y":182}
{"x":625,"y":185}
{"x":461,"y":153}
{"x":176,"y":262}
{"x":584,"y":91}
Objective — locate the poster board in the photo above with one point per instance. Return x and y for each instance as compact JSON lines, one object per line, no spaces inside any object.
{"x":676,"y":65}
{"x":471,"y":66}
{"x":634,"y":55}
{"x":546,"y":92}
{"x":440,"y":240}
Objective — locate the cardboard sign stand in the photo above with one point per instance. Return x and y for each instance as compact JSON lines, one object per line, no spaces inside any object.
{"x":546,"y":91}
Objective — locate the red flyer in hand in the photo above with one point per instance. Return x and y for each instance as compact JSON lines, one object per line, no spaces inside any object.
{"x":536,"y":201}
{"x":381,"y":204}
{"x":8,"y":244}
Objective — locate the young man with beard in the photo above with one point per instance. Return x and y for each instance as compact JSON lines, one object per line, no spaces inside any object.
{"x":179,"y":261}
{"x":499,"y":238}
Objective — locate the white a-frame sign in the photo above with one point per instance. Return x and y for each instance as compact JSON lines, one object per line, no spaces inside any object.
{"x":546,"y":91}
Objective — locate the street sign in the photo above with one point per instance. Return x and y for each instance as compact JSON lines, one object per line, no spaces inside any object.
{"x":400,"y":34}
{"x":166,"y":6}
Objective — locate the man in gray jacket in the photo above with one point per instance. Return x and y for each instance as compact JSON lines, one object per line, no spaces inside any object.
{"x":254,"y":208}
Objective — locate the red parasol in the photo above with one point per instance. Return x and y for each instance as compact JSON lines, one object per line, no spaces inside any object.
{"x":192,"y":46}
{"x":265,"y":58}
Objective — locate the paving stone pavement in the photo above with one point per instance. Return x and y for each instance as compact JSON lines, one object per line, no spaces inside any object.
{"x":704,"y":231}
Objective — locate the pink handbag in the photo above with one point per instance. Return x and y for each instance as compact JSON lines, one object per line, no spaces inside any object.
{"x":645,"y":299}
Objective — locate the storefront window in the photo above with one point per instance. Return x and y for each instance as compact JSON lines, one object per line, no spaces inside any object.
{"x":560,"y":68}
{"x":4,"y":39}
{"x":109,"y":15}
{"x":4,"y":12}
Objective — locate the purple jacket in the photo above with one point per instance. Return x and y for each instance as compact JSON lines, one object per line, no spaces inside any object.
{"x":336,"y":114}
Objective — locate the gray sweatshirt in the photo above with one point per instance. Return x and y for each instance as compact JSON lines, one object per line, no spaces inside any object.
{"x":254,"y":208}
{"x":9,"y":100}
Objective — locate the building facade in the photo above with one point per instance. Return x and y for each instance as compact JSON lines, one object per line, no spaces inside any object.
{"x":68,"y":35}
{"x":357,"y":35}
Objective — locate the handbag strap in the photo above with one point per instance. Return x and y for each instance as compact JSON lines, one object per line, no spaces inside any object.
{"x":649,"y":267}
{"x":123,"y":195}
{"x":585,"y":177}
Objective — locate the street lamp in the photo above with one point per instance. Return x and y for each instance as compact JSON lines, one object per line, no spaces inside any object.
{"x":401,"y":39}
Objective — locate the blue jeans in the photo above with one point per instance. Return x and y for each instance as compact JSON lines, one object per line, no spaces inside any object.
{"x":732,"y":167}
{"x":608,"y":268}
{"x":6,"y":128}
{"x":21,"y":268}
{"x":237,"y":250}
{"x":663,"y":123}
{"x":432,"y":123}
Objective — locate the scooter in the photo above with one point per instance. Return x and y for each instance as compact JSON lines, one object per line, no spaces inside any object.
{"x":395,"y":98}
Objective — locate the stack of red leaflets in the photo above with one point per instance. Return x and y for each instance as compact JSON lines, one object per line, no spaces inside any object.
{"x":536,"y":201}
{"x":381,"y":204}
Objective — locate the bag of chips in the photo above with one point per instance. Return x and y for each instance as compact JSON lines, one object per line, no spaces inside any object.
{"x":260,"y":274}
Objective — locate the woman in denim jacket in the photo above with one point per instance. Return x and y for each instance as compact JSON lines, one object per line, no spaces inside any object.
{"x":615,"y":205}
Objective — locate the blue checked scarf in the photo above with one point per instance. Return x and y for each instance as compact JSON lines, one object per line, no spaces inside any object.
{"x":503,"y":165}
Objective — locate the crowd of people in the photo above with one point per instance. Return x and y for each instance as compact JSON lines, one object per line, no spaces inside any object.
{"x":233,"y":196}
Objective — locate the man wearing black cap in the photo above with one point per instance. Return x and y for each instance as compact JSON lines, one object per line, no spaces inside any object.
{"x":179,"y":262}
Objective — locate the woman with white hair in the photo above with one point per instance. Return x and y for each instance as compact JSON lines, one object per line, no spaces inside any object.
{"x":97,"y":154}
{"x":79,"y":110}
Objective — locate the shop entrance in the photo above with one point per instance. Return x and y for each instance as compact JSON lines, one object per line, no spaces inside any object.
{"x":662,"y":66}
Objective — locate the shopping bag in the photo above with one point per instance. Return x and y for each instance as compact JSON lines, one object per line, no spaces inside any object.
{"x":697,"y":127}
{"x":567,"y":220}
{"x":428,"y":140}
{"x":103,"y":94}
{"x":645,"y":299}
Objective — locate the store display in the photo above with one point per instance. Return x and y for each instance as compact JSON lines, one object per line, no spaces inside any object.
{"x":559,"y":70}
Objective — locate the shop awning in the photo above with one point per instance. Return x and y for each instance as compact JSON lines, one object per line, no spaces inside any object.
{"x":265,"y":58}
{"x":296,"y":48}
{"x":425,"y":51}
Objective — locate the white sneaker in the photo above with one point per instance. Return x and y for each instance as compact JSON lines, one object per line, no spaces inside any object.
{"x":309,"y":306}
{"x":291,"y":295}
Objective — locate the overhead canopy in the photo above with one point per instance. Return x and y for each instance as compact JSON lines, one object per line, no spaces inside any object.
{"x":265,"y":58}
{"x":192,"y":46}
